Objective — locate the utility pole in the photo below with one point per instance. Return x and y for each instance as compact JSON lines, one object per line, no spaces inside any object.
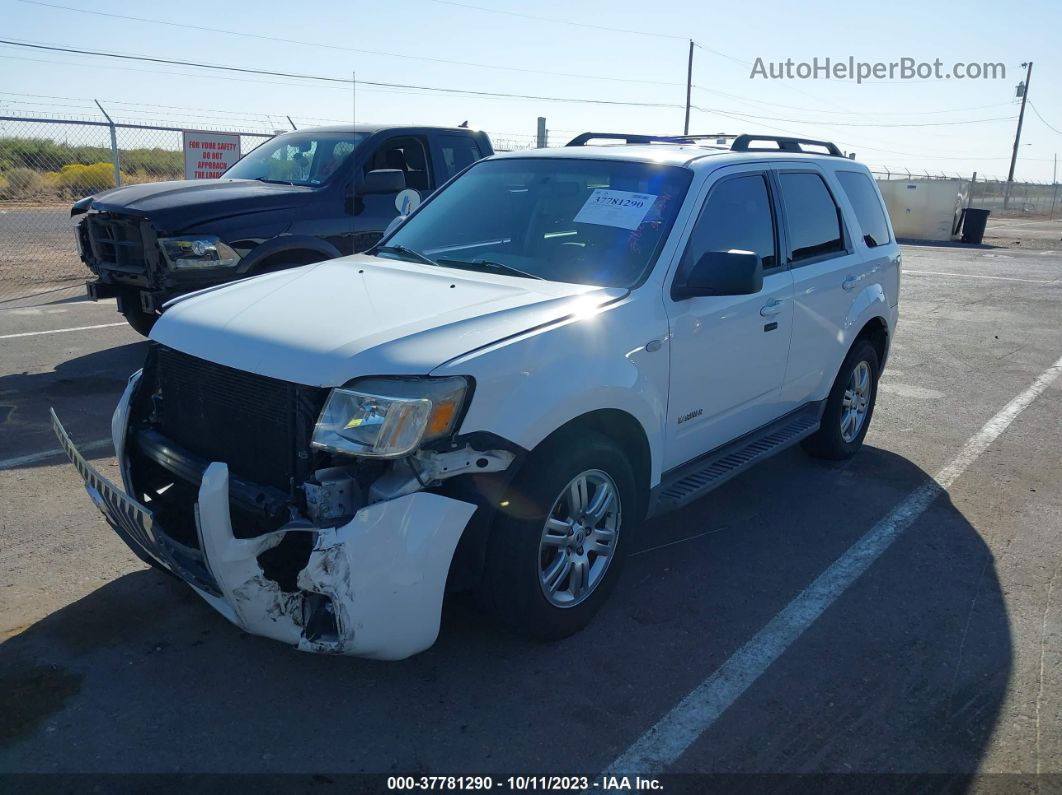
{"x":1017,"y":135}
{"x":1054,"y":186}
{"x":689,"y":87}
{"x":114,"y":146}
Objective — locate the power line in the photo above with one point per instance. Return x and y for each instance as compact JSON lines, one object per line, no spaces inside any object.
{"x":863,"y":124}
{"x":737,"y":116}
{"x":847,"y":112}
{"x":323,"y":78}
{"x":321,"y":45}
{"x":171,"y":73}
{"x":555,"y":21}
{"x":1041,"y":118}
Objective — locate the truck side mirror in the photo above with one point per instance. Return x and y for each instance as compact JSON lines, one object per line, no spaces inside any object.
{"x":731,"y":272}
{"x":382,"y":180}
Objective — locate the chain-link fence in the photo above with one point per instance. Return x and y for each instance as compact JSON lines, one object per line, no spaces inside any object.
{"x":991,"y":193}
{"x":45,"y":165}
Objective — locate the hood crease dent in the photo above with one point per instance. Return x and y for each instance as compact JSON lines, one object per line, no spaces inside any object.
{"x":323,"y":324}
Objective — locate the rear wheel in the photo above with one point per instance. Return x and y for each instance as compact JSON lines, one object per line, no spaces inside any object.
{"x":555,"y":555}
{"x":849,"y":407}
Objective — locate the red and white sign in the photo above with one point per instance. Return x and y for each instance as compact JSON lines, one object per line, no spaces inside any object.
{"x":208,"y":155}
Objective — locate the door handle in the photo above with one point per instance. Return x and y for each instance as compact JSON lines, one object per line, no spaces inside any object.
{"x":772,"y":308}
{"x":850,"y":282}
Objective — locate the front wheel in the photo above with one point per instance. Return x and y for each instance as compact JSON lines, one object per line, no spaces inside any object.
{"x":849,"y":407}
{"x":141,"y":321}
{"x":556,"y":552}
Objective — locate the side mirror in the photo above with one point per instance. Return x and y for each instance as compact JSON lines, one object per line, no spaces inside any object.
{"x":382,"y":180}
{"x":722,"y":273}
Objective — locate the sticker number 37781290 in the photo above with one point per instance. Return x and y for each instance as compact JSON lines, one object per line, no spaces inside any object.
{"x":615,"y":208}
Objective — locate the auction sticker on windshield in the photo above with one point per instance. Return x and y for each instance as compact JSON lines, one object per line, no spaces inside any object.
{"x":615,"y":208}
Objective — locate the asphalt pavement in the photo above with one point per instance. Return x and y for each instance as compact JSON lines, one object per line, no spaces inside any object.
{"x":941,"y":655}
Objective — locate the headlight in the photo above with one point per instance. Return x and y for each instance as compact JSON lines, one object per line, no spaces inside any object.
{"x":198,"y":251}
{"x":389,"y":417}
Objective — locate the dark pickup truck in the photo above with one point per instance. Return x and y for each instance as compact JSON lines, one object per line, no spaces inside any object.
{"x":300,"y":197}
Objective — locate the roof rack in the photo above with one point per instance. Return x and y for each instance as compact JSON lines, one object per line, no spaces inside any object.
{"x":740,"y":144}
{"x":631,"y":138}
{"x":638,"y":138}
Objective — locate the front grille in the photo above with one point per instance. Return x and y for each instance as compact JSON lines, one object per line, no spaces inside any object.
{"x":261,"y":427}
{"x":116,"y":242}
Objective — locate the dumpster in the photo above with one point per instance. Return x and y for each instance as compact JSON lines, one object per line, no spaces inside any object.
{"x":973,"y":225}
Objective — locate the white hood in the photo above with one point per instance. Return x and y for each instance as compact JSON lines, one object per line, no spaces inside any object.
{"x":324,"y":324}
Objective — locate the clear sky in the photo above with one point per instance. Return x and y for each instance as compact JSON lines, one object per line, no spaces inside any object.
{"x":968,"y":124}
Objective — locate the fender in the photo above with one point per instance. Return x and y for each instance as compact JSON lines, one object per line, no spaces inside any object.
{"x":285,"y":243}
{"x":530,"y":385}
{"x":869,"y":302}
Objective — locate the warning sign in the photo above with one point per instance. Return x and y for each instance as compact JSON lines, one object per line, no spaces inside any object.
{"x":208,"y":155}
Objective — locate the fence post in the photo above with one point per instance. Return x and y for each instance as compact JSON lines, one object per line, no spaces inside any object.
{"x":540,"y":137}
{"x":970,"y":195}
{"x":114,"y":146}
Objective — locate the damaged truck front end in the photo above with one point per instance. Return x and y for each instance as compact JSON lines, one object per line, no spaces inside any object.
{"x":227,"y":485}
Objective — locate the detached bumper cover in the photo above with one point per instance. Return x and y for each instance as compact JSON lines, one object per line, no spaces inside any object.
{"x":371,"y":588}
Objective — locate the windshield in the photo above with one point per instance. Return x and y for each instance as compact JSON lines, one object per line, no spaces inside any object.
{"x":298,"y":158}
{"x":595,"y":222}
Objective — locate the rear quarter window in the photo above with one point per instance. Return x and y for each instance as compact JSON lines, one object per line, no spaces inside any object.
{"x":864,"y":198}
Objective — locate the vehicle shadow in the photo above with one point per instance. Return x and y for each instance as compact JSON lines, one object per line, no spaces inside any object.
{"x":83,"y":390}
{"x":906,"y":672}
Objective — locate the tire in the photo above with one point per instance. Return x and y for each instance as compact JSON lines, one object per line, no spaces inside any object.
{"x":520,"y":559}
{"x":142,"y":322}
{"x":835,"y":439}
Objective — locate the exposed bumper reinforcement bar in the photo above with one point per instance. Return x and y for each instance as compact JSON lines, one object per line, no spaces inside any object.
{"x":371,"y":588}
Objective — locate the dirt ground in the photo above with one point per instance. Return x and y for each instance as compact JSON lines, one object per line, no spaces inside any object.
{"x":37,"y":251}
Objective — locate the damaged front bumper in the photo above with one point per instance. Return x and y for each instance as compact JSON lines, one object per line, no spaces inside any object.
{"x":372,"y":587}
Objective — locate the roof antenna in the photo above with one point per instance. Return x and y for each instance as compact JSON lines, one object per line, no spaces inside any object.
{"x":354,"y":163}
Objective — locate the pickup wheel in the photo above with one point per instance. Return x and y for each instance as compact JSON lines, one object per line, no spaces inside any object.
{"x":141,"y":321}
{"x":556,"y":553}
{"x":849,"y":406}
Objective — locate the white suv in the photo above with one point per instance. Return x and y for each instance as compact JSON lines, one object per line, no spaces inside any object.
{"x":556,"y":345}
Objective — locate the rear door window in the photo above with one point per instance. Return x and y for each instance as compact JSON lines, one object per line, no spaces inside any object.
{"x":812,"y":216}
{"x":408,"y":155}
{"x":458,"y":152}
{"x":864,"y":198}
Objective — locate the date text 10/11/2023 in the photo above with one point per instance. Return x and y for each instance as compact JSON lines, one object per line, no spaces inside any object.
{"x":606,"y":783}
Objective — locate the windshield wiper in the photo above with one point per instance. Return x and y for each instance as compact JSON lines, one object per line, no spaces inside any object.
{"x":486,"y":264}
{"x":274,"y":181}
{"x":407,"y":252}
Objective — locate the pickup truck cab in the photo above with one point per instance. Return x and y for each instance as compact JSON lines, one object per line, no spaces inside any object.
{"x":298,"y":198}
{"x":553,"y":347}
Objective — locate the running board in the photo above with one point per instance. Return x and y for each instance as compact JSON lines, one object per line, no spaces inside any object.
{"x":695,"y":479}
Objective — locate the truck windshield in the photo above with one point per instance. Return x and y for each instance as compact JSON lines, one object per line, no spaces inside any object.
{"x":298,"y":158}
{"x":595,"y":222}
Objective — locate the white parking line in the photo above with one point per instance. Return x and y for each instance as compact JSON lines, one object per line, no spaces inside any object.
{"x":979,"y":276}
{"x":32,"y":458}
{"x":59,"y":330}
{"x":669,"y":738}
